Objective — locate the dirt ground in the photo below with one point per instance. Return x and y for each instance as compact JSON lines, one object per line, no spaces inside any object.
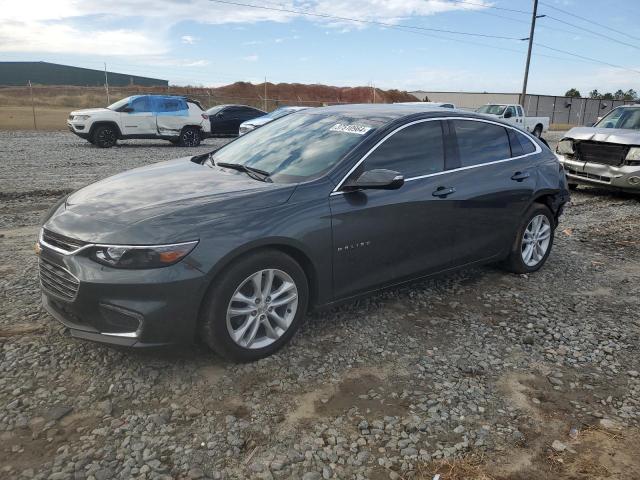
{"x":476,"y":375}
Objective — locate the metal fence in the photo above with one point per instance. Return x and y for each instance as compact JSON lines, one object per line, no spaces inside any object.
{"x":569,"y":110}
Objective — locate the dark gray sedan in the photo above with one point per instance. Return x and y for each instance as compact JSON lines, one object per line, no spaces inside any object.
{"x":233,"y":247}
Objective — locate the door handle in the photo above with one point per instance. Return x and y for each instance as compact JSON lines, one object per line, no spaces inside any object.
{"x":520,"y":176}
{"x":442,"y":192}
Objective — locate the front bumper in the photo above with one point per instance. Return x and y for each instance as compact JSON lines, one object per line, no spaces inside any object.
{"x":79,"y":129}
{"x":623,"y":177}
{"x":121,"y":307}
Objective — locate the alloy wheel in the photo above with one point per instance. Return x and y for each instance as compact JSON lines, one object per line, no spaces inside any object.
{"x":189,"y":138}
{"x":262,"y":308}
{"x":536,"y":240}
{"x":107,"y":136}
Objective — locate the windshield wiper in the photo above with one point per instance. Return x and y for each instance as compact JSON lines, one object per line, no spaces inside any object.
{"x":256,"y":173}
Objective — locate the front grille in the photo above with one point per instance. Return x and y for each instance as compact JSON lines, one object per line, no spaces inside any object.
{"x":58,"y":281}
{"x":60,"y":241}
{"x":592,"y":176}
{"x":605,"y":153}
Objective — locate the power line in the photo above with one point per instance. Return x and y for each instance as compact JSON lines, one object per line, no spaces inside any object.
{"x":371,"y":22}
{"x":594,"y":60}
{"x":593,"y":32}
{"x":621,"y":32}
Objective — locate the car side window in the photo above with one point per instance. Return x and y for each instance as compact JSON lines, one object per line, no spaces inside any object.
{"x":168,"y":106}
{"x":140,"y":105}
{"x":510,"y":110}
{"x":413,"y":151}
{"x":481,"y":142}
{"x":519,"y":111}
{"x":527,"y":145}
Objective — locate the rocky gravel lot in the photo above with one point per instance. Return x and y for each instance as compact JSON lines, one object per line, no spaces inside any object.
{"x":475,"y":375}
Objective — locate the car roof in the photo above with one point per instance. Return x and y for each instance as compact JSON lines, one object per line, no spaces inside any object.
{"x":386,"y":112}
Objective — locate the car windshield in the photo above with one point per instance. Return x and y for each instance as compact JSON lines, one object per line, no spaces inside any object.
{"x":492,"y":109}
{"x":297,"y":147}
{"x":119,"y":103}
{"x":621,"y":117}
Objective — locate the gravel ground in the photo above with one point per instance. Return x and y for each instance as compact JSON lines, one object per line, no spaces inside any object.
{"x":477,"y":374}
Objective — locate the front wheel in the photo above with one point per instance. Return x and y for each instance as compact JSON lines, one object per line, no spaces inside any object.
{"x":190,"y":137}
{"x":255,"y":306}
{"x":533,"y":241}
{"x":105,"y":136}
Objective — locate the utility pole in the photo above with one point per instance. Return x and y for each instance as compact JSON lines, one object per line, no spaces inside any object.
{"x":33,"y":106}
{"x":106,"y":82}
{"x":265,"y":93}
{"x":531,"y":33}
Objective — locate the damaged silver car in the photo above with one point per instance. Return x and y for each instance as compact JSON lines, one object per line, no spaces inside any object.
{"x":607,"y":154}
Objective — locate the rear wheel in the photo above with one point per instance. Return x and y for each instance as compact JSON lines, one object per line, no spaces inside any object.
{"x":255,"y":306}
{"x":105,"y":136}
{"x":533,"y":241}
{"x":537,"y":132}
{"x":190,"y":137}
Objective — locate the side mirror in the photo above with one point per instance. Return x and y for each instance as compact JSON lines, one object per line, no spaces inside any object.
{"x":508,"y":114}
{"x":127,"y":109}
{"x":219,"y":115}
{"x":378,"y":179}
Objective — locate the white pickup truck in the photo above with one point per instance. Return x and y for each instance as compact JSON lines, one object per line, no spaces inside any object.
{"x":512,"y":113}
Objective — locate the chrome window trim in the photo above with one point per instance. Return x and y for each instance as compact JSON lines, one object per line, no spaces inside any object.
{"x":104,"y":245}
{"x":337,"y":191}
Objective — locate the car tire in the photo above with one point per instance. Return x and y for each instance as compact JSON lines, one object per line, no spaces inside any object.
{"x":105,"y":136}
{"x":537,"y":132}
{"x":253,"y":327}
{"x":190,"y":137}
{"x":533,"y":242}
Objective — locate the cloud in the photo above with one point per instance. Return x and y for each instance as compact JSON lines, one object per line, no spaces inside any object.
{"x":70,"y":25}
{"x":251,"y":58}
{"x":36,"y":36}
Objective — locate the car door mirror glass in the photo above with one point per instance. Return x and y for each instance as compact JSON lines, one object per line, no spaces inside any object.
{"x":126,"y":109}
{"x":508,"y":114}
{"x":378,"y":179}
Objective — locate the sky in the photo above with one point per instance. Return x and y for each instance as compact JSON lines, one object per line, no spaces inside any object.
{"x":212,"y":43}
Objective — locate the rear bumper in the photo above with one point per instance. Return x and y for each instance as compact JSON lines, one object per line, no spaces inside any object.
{"x":619,"y":177}
{"x":133,"y":308}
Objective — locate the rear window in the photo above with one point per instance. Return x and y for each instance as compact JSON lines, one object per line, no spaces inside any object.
{"x":481,"y":142}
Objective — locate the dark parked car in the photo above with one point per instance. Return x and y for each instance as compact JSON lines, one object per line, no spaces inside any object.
{"x":226,"y":119}
{"x":320,"y":206}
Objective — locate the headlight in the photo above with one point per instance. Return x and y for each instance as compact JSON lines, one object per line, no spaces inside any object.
{"x":634,"y":154}
{"x":139,"y":257}
{"x":565,"y":147}
{"x":81,"y":117}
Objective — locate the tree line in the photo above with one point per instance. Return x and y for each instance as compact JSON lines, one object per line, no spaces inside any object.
{"x":630,"y":94}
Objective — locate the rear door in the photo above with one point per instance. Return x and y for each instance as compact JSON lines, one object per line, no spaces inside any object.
{"x":382,"y":236}
{"x":141,"y":120}
{"x":172,"y":113}
{"x":494,"y":183}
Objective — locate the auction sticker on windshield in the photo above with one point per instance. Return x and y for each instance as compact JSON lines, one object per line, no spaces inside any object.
{"x":350,"y":128}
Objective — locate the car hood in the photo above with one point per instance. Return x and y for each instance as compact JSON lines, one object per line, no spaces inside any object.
{"x":161,"y":202}
{"x":91,"y":111}
{"x":612,"y":135}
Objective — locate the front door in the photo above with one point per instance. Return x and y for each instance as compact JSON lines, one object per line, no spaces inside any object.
{"x":382,"y":236}
{"x":141,"y":120}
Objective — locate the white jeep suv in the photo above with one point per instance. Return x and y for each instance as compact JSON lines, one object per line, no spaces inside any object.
{"x":180,"y":120}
